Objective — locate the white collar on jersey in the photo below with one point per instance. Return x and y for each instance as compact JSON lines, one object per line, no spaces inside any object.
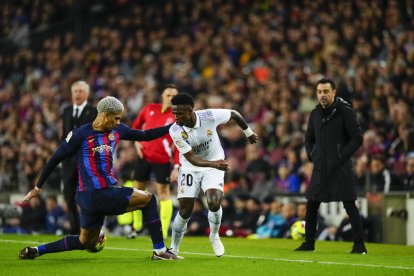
{"x":197,"y":123}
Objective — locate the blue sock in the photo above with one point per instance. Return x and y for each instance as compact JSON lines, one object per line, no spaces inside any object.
{"x":152,"y":221}
{"x":66,"y":244}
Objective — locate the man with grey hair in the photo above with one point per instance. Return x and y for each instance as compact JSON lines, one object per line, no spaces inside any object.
{"x":75,"y":115}
{"x":97,"y":194}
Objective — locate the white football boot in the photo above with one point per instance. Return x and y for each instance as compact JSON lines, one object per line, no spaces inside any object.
{"x":217,"y":245}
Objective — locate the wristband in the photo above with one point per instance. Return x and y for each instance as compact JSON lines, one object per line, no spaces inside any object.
{"x":176,"y":166}
{"x":37,"y":189}
{"x":248,"y":132}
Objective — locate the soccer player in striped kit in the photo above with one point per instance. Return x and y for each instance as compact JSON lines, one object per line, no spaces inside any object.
{"x":94,"y":145}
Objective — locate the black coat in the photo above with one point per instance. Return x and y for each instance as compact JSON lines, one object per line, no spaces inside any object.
{"x":332,"y":137}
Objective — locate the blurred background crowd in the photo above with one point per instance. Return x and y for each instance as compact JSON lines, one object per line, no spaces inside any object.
{"x":261,"y":58}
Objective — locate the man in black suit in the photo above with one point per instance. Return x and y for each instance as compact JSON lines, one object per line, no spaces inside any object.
{"x":75,"y":115}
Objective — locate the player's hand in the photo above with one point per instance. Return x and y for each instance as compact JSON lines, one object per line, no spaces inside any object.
{"x":221,"y":165}
{"x":138,"y":147}
{"x":253,"y":138}
{"x":33,"y":193}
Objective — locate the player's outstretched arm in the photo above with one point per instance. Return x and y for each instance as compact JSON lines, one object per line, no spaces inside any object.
{"x":63,"y":151}
{"x":66,"y":148}
{"x":199,"y":162}
{"x":251,"y":136}
{"x":145,"y":135}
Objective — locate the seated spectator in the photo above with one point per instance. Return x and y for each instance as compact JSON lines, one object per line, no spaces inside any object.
{"x":382,"y":180}
{"x":362,"y":174}
{"x":289,"y":213}
{"x":258,"y":168}
{"x":408,"y":176}
{"x":55,"y":217}
{"x":246,"y":215}
{"x":274,"y":223}
{"x":198,"y":223}
{"x":249,"y":223}
{"x":235,"y":184}
{"x":227,"y":204}
{"x":34,"y":216}
{"x":265,"y":207}
{"x":344,"y":230}
{"x":286,"y":180}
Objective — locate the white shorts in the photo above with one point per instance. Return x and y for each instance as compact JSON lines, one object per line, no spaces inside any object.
{"x":190,"y":182}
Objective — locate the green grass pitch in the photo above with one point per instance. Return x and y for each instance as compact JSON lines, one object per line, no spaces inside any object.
{"x":243,"y":257}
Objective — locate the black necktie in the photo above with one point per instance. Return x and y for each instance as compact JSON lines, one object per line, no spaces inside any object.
{"x":75,"y":118}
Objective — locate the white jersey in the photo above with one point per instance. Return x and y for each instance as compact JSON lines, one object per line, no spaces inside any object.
{"x":203,"y":138}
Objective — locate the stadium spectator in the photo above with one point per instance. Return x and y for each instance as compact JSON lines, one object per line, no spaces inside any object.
{"x":55,"y":217}
{"x":198,"y":223}
{"x":408,"y":177}
{"x":33,"y":217}
{"x":274,"y":221}
{"x":382,"y":180}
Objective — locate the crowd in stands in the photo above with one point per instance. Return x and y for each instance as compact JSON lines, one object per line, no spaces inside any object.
{"x":261,"y":58}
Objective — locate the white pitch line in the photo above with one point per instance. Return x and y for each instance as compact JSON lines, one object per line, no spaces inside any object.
{"x":244,"y":257}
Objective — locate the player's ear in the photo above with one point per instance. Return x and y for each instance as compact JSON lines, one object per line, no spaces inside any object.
{"x":105,"y":116}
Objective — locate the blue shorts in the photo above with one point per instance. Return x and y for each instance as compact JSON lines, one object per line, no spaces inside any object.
{"x":97,"y":204}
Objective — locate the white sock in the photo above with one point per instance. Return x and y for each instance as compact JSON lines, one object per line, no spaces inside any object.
{"x":178,"y":229}
{"x":214,"y":219}
{"x":161,"y":250}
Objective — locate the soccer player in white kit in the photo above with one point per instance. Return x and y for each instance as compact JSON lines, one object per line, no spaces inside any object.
{"x":202,"y":163}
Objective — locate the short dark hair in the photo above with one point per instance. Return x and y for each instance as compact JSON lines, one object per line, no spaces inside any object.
{"x":183,"y":99}
{"x":170,"y":85}
{"x":323,"y":81}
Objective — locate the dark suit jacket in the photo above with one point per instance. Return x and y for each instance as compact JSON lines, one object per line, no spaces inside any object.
{"x":87,"y":116}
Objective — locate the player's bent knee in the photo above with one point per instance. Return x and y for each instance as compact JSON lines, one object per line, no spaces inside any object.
{"x":214,"y":204}
{"x":185,"y":213}
{"x":214,"y":207}
{"x":139,"y":199}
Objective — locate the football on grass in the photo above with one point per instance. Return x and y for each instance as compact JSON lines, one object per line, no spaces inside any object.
{"x":100,"y":244}
{"x":298,"y":230}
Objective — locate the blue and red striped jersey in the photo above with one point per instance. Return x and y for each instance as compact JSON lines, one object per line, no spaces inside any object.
{"x":94,"y":153}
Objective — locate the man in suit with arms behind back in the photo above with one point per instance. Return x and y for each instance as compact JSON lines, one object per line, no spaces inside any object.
{"x":75,"y":115}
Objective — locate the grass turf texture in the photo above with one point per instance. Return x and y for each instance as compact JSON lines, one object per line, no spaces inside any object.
{"x":242,"y":257}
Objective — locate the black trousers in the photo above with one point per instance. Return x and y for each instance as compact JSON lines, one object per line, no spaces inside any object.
{"x":70,"y":184}
{"x":312,"y":208}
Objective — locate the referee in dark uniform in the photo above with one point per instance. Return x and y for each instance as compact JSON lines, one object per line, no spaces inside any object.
{"x":79,"y":113}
